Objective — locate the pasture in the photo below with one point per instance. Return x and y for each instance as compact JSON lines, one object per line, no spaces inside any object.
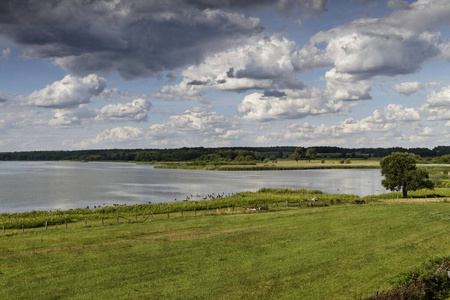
{"x":342,"y":251}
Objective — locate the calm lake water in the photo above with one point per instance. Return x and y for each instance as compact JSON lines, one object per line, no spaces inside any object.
{"x":26,"y":186}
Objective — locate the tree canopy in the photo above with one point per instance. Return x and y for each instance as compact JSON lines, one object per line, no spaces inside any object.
{"x":311,"y":153}
{"x":400,"y":173}
{"x":297,"y":154}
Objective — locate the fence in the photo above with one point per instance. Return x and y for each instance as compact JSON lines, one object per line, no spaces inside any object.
{"x":139,"y":218}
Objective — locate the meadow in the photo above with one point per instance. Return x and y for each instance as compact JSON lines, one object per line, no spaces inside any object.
{"x":282,"y":164}
{"x":439,"y":173}
{"x":342,"y":251}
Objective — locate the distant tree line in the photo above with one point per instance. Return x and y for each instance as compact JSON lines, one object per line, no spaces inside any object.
{"x":208,"y":155}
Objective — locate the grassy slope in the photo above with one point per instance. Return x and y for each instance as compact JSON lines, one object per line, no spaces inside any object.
{"x":337,"y":252}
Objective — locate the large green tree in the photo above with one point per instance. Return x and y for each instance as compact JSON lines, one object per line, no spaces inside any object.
{"x":311,"y":153}
{"x":297,"y":154}
{"x":400,"y":173}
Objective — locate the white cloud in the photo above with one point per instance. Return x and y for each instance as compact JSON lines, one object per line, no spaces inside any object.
{"x":407,"y":88}
{"x":343,"y":86}
{"x":373,"y":47}
{"x":136,"y":111}
{"x":117,"y":134}
{"x":385,"y":122}
{"x":71,"y":91}
{"x":194,"y":127}
{"x":396,"y":44}
{"x":296,"y":104}
{"x":261,"y":63}
{"x":440,"y":99}
{"x":437,"y":106}
{"x":6,"y":53}
{"x":70,"y":118}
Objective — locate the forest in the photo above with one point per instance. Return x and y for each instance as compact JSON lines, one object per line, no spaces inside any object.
{"x":230,"y":154}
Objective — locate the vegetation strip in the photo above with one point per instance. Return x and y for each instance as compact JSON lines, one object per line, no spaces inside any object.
{"x":336,"y":252}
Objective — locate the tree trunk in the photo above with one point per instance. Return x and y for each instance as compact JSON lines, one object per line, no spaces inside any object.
{"x":405,"y":193}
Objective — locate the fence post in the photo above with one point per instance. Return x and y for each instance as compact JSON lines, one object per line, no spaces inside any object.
{"x":85,"y":222}
{"x":168,"y":216}
{"x":287,"y":203}
{"x":102,"y":221}
{"x":195,"y":212}
{"x":233,"y":207}
{"x":181,"y":212}
{"x":46,"y":223}
{"x":65,"y":222}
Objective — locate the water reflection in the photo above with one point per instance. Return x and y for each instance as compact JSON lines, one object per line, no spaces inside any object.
{"x":28,"y":186}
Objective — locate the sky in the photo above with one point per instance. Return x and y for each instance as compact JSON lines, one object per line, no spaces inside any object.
{"x":105,"y":74}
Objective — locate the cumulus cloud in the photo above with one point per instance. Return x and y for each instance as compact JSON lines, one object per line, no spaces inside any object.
{"x":397,"y":44}
{"x":133,"y":38}
{"x":136,"y":111}
{"x":114,"y":135}
{"x":260,"y":63}
{"x":70,"y":118}
{"x":296,"y":104}
{"x":440,"y":99}
{"x":15,"y":117}
{"x":197,"y":126}
{"x":356,"y":53}
{"x":386,"y":121}
{"x":343,"y":86}
{"x":373,"y":47}
{"x":437,"y":106}
{"x":71,"y":91}
{"x":408,"y":88}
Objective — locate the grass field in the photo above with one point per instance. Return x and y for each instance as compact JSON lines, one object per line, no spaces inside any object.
{"x":280,"y":165}
{"x":338,"y":252}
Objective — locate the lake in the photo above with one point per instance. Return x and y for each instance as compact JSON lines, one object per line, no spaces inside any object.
{"x":26,"y":186}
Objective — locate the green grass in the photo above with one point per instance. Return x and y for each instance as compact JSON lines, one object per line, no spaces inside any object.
{"x":244,"y":199}
{"x":336,"y":252}
{"x":284,"y":164}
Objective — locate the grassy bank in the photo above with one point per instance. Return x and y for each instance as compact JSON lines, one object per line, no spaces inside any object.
{"x":279,"y":165}
{"x":337,"y":252}
{"x":439,"y":173}
{"x":239,"y":200}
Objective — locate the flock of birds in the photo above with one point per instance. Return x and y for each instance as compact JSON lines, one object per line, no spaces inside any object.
{"x":188,"y":197}
{"x":207,"y":197}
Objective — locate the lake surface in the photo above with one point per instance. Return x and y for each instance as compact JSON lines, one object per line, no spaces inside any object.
{"x":26,"y":186}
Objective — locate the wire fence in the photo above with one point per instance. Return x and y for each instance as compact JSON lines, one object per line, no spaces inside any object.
{"x":142,"y":218}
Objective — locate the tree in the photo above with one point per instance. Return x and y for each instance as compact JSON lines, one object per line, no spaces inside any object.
{"x":297,"y":154}
{"x":311,"y":153}
{"x":400,"y":173}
